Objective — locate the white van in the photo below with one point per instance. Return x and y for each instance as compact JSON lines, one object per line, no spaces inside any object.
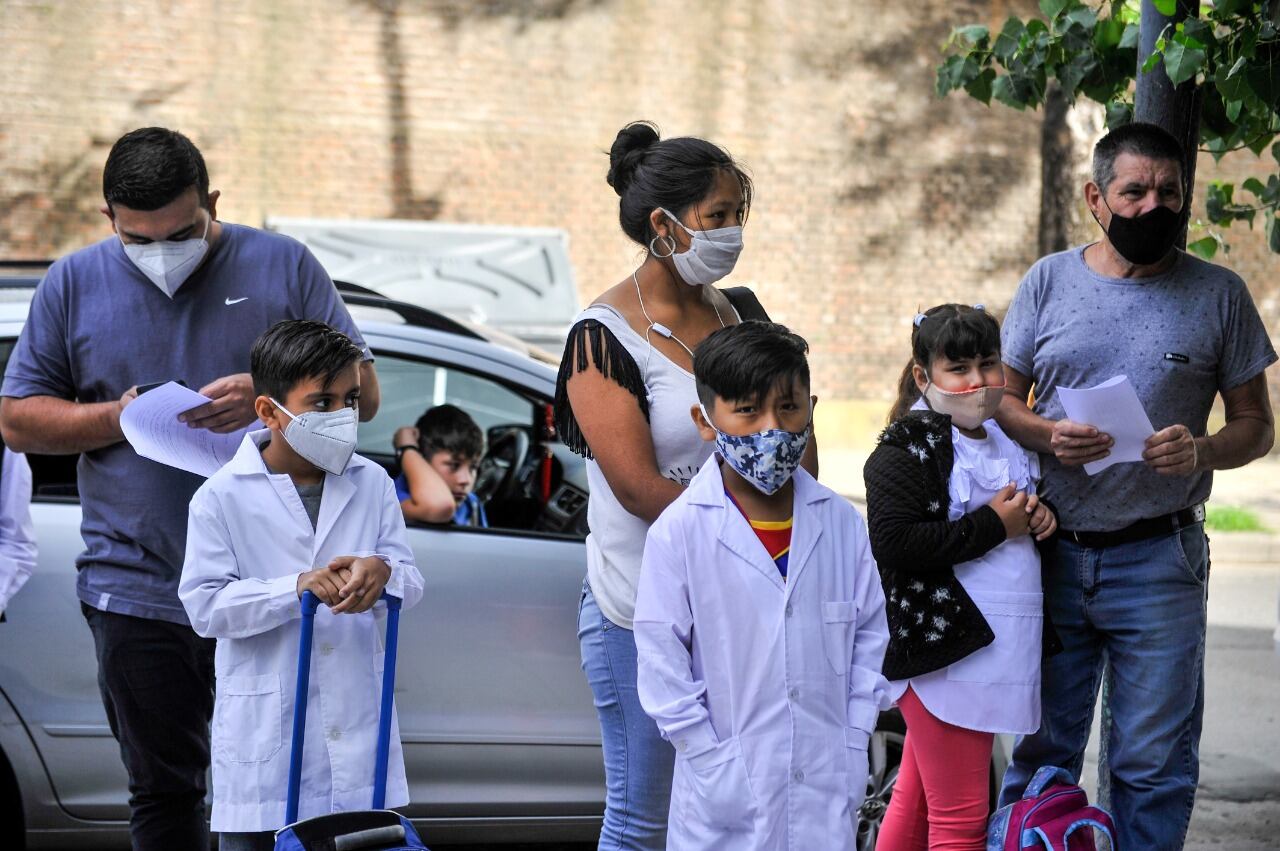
{"x":515,"y":279}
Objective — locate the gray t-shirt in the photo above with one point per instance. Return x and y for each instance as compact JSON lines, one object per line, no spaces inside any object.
{"x":310,"y":496}
{"x":97,"y":327}
{"x":1181,"y":337}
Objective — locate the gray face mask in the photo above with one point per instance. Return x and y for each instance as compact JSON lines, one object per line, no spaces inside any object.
{"x":325,"y":438}
{"x":711,"y":256}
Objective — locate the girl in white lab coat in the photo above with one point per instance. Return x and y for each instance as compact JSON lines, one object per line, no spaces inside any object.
{"x":759,"y":620}
{"x":952,"y":515}
{"x":296,"y":510}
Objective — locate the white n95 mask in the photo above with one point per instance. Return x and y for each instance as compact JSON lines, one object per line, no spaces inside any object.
{"x":711,"y":256}
{"x":325,"y":438}
{"x":168,"y":263}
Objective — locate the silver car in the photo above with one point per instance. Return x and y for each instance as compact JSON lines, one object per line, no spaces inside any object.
{"x":501,"y":740}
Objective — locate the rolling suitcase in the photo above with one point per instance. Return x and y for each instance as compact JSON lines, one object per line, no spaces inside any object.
{"x":366,"y":830}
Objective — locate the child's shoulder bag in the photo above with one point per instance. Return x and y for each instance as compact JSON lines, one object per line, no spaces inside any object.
{"x":1053,"y":815}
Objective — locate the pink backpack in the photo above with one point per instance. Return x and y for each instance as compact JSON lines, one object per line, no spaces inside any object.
{"x":1053,"y":815}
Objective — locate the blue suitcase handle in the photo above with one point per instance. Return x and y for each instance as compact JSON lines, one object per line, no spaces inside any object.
{"x":310,"y":602}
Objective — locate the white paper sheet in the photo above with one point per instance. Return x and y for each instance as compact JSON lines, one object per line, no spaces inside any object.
{"x":150,"y":424}
{"x":1112,"y":407}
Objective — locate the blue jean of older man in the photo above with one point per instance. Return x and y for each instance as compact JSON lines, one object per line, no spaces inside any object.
{"x":1126,"y":581}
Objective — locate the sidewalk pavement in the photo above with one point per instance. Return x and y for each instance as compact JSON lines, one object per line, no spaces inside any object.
{"x":1255,"y":487}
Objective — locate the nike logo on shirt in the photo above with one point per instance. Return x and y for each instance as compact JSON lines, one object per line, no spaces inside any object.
{"x":232,"y":301}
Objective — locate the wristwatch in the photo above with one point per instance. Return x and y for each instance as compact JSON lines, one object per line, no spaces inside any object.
{"x":400,"y":450}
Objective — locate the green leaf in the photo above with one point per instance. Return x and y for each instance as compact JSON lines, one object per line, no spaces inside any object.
{"x":971,"y":34}
{"x":1083,"y":17}
{"x":1231,"y":83}
{"x":1074,"y":72}
{"x":1007,"y":41}
{"x":1232,"y":109}
{"x":1201,"y":31}
{"x":1263,"y":74}
{"x":1152,"y":61}
{"x":1182,"y":59}
{"x":1051,"y":8}
{"x":956,"y":73}
{"x":1165,"y":7}
{"x":1107,"y":34}
{"x":1253,"y":185}
{"x":1129,"y":41}
{"x":1275,"y":152}
{"x":1015,"y":90}
{"x":1273,"y":234}
{"x":1217,"y":200}
{"x":1205,"y":248}
{"x":980,"y":86}
{"x":1119,"y":113}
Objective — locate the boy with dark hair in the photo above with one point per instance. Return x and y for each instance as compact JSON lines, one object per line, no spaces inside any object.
{"x":296,"y":511}
{"x":438,"y":458}
{"x":760,"y":623}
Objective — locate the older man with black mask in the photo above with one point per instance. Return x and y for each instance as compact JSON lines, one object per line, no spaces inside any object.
{"x":172,"y":294}
{"x":1125,"y":580}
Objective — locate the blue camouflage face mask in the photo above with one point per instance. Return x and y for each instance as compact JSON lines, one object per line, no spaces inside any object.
{"x":766,"y":459}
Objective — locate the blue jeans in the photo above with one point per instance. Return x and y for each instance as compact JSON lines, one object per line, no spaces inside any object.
{"x":1143,"y":604}
{"x":638,"y":762}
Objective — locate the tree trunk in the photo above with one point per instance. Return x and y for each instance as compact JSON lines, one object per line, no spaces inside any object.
{"x":1158,"y":102}
{"x":1057,"y":174}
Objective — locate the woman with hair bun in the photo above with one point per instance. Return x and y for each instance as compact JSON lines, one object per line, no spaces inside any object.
{"x":623,"y":400}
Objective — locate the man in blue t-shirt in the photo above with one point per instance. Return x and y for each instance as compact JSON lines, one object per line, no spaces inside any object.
{"x":173,"y":294}
{"x":438,"y":459}
{"x":1125,"y":578}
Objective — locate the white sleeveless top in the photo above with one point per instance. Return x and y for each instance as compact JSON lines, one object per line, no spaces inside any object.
{"x":616,"y":542}
{"x":995,"y":689}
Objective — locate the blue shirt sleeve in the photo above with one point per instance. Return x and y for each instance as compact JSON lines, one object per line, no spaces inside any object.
{"x":41,"y":362}
{"x":402,"y":488}
{"x":1018,"y":336}
{"x":320,"y":300}
{"x":1246,"y":348}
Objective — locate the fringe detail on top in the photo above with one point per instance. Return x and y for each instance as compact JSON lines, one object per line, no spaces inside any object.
{"x":612,"y":360}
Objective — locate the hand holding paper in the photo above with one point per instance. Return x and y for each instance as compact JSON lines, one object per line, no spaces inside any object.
{"x":150,"y":424}
{"x":1113,"y":408}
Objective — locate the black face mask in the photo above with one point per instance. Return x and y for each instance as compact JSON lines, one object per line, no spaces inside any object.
{"x":1146,"y":239}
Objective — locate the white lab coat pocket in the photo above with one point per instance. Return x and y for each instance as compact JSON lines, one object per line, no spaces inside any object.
{"x":838,"y":619}
{"x":247,"y":720}
{"x":720,"y":793}
{"x":1017,"y":619}
{"x":858,"y":764}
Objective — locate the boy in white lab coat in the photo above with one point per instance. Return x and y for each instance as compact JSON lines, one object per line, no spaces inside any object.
{"x":17,"y":534}
{"x":760,"y":622}
{"x":296,"y":510}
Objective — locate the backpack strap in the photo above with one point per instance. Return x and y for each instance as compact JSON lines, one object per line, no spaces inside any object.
{"x":745,"y":302}
{"x":1046,"y":776}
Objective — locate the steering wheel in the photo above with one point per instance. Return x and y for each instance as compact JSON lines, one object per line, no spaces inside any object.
{"x":508,"y":451}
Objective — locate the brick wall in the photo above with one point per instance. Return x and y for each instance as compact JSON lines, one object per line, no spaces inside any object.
{"x":874,"y":197}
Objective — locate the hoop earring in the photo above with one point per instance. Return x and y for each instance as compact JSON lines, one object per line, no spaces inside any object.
{"x":668,"y":241}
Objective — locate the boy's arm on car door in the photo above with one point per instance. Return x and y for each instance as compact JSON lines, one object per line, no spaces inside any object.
{"x":393,"y":546}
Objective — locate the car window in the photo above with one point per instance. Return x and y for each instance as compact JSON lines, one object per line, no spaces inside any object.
{"x":409,"y":387}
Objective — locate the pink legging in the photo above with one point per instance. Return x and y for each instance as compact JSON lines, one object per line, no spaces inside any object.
{"x":941,"y":799}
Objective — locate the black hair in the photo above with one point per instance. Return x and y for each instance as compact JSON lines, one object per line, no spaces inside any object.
{"x":672,"y":173}
{"x":294,"y":350}
{"x":150,"y":167}
{"x":744,"y":362}
{"x":1140,"y":139}
{"x":956,"y":331}
{"x":448,"y":428}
